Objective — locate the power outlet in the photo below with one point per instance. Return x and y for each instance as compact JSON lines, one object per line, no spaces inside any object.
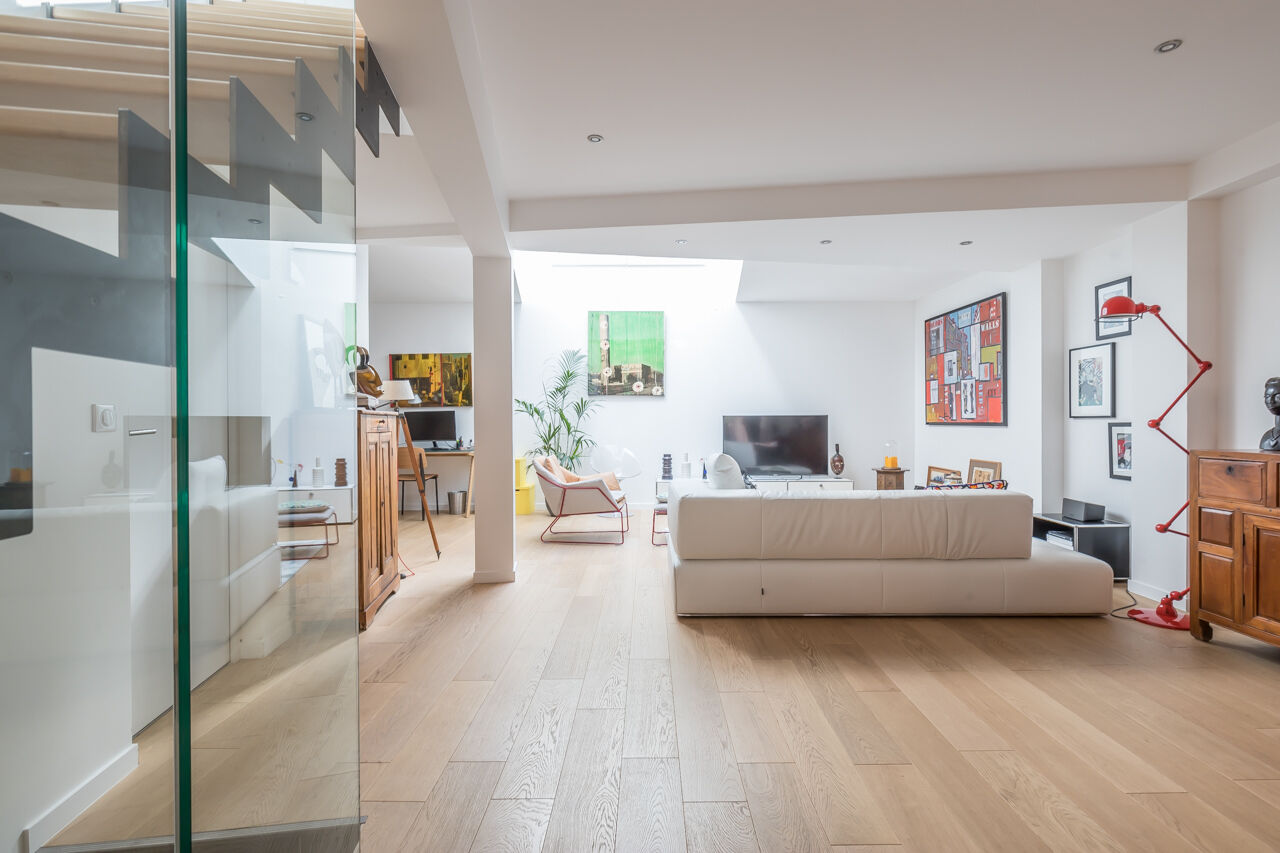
{"x":104,"y":417}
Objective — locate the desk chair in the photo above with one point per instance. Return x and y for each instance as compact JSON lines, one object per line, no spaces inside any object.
{"x":404,"y":460}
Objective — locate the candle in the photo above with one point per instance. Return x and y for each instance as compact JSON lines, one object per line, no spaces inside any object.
{"x":891,"y":462}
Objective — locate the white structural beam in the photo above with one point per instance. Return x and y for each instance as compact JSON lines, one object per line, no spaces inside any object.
{"x":492,"y":318}
{"x":1243,"y":163}
{"x":423,"y":48}
{"x":865,"y":198}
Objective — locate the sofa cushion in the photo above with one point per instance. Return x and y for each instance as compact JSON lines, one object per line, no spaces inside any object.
{"x":913,"y":525}
{"x":820,"y":526}
{"x":988,"y":524}
{"x":714,"y":525}
{"x":723,"y":472}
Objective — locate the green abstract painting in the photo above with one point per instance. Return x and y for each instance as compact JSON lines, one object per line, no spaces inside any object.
{"x":626,"y":353}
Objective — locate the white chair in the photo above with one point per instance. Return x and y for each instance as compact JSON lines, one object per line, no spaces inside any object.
{"x":566,"y":495}
{"x":616,"y":460}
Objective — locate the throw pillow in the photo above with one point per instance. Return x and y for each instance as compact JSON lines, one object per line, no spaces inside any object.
{"x":993,"y":484}
{"x":723,"y":472}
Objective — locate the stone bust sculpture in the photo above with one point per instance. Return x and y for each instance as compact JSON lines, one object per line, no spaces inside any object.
{"x":1271,"y":398}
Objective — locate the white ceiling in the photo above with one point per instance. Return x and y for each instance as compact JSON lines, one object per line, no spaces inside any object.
{"x":746,"y":93}
{"x":396,"y":188}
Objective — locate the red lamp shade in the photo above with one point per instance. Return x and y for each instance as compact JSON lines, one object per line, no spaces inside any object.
{"x":1122,"y":308}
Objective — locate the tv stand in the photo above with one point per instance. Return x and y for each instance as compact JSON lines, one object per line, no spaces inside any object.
{"x":808,"y":484}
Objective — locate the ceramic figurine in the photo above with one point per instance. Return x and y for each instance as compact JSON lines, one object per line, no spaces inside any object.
{"x":837,"y":463}
{"x":1271,"y":399}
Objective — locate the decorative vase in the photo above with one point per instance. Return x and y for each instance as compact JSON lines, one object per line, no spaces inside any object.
{"x":837,"y":463}
{"x":340,"y":472}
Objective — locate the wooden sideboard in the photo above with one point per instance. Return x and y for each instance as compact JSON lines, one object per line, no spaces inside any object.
{"x":377,"y":571}
{"x":1234,"y":550}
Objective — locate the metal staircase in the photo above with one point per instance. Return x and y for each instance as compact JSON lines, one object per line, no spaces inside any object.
{"x":266,"y":87}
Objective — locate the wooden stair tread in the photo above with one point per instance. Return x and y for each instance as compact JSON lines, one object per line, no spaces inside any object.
{"x":57,"y":124}
{"x":71,"y":52}
{"x":107,"y":81}
{"x":255,"y":18}
{"x":198,"y":27}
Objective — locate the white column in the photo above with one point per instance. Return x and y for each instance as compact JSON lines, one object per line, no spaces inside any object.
{"x":492,"y":300}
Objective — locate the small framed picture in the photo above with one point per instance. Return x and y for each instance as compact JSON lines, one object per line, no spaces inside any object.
{"x":982,"y":471}
{"x":1111,"y":328}
{"x":1091,"y":381}
{"x":944,"y":476}
{"x":1120,"y":450}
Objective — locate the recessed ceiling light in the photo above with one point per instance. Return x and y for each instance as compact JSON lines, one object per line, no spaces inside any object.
{"x":304,"y":116}
{"x":825,"y":242}
{"x":255,"y":221}
{"x":1168,"y":46}
{"x":966,"y":242}
{"x":681,"y":242}
{"x":594,"y":137}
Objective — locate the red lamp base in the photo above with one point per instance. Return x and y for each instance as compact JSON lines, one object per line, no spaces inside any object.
{"x":1153,"y":616}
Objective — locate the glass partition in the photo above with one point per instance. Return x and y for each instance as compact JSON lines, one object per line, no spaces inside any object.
{"x":177,"y":299}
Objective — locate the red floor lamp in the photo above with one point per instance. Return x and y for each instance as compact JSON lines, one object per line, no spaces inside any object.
{"x":1124,"y":308}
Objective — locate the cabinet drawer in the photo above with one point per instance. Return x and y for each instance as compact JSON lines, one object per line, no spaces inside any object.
{"x":1234,"y":480}
{"x":1213,"y":583}
{"x":1216,"y":526}
{"x":810,"y":487}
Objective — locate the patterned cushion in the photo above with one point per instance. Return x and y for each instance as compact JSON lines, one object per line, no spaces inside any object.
{"x":994,"y":484}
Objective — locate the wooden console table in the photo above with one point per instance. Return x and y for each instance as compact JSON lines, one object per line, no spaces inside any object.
{"x":427,"y":453}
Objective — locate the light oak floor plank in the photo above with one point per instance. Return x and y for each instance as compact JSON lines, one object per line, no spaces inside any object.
{"x":451,"y":816}
{"x":719,"y":828}
{"x":387,"y":826}
{"x":512,"y":826}
{"x":573,"y":644}
{"x":708,"y":768}
{"x":780,"y":809}
{"x":533,"y":769}
{"x":650,"y":809}
{"x":650,"y":730}
{"x":585,"y":813}
{"x":753,"y":728}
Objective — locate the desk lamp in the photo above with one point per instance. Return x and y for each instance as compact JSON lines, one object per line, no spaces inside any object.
{"x":1124,"y":308}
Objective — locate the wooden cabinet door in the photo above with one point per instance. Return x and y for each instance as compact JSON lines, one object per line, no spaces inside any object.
{"x":1262,"y":573}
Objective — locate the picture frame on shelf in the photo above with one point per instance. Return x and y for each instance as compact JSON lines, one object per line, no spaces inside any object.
{"x":944,"y":476}
{"x":1091,"y":381}
{"x":1120,"y":450}
{"x":983,"y":471}
{"x":1106,"y":329}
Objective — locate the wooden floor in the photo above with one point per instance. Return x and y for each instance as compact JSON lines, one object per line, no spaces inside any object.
{"x":572,"y":711}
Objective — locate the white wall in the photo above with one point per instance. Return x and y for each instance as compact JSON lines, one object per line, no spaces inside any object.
{"x":407,"y":327}
{"x":848,"y":360}
{"x":1248,"y":351}
{"x":66,"y":646}
{"x":1020,"y":445}
{"x":1084,"y":449}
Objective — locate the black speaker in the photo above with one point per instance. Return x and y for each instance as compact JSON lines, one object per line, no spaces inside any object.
{"x":1082,"y":510}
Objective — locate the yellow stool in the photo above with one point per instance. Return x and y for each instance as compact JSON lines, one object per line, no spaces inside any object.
{"x":524,"y":500}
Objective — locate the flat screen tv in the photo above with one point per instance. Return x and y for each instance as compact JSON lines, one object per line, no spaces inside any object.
{"x":432,"y":426}
{"x":777,"y":445}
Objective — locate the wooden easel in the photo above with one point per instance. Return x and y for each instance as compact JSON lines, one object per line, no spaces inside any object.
{"x":417,"y":476}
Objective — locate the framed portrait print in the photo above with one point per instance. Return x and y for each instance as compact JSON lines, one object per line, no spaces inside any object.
{"x":1111,"y":328}
{"x":982,"y":471}
{"x":1091,"y":381}
{"x":1120,"y":450}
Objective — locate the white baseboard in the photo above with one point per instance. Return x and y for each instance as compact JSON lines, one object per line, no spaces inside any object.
{"x":495,"y":576}
{"x":60,"y":816}
{"x":1154,"y":593}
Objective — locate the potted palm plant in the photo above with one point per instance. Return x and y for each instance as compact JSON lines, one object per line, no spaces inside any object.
{"x":559,"y":416}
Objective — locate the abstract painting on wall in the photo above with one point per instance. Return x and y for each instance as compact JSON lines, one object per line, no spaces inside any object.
{"x":964,"y":365}
{"x":440,"y":379}
{"x":626,"y":353}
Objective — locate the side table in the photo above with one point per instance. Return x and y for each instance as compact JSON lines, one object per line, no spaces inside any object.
{"x":891,"y":479}
{"x":1107,"y":540}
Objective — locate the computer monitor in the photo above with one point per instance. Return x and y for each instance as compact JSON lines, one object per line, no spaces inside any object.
{"x":432,"y":426}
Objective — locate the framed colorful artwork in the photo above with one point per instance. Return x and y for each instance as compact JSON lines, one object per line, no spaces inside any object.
{"x":1091,"y":381}
{"x":982,"y":471}
{"x":1111,"y":328}
{"x":1120,"y":450}
{"x":965,"y":358}
{"x":943,"y":476}
{"x":440,"y":379}
{"x":626,"y":354}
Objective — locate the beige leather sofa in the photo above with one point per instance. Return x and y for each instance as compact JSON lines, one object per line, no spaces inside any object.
{"x":920,"y":552}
